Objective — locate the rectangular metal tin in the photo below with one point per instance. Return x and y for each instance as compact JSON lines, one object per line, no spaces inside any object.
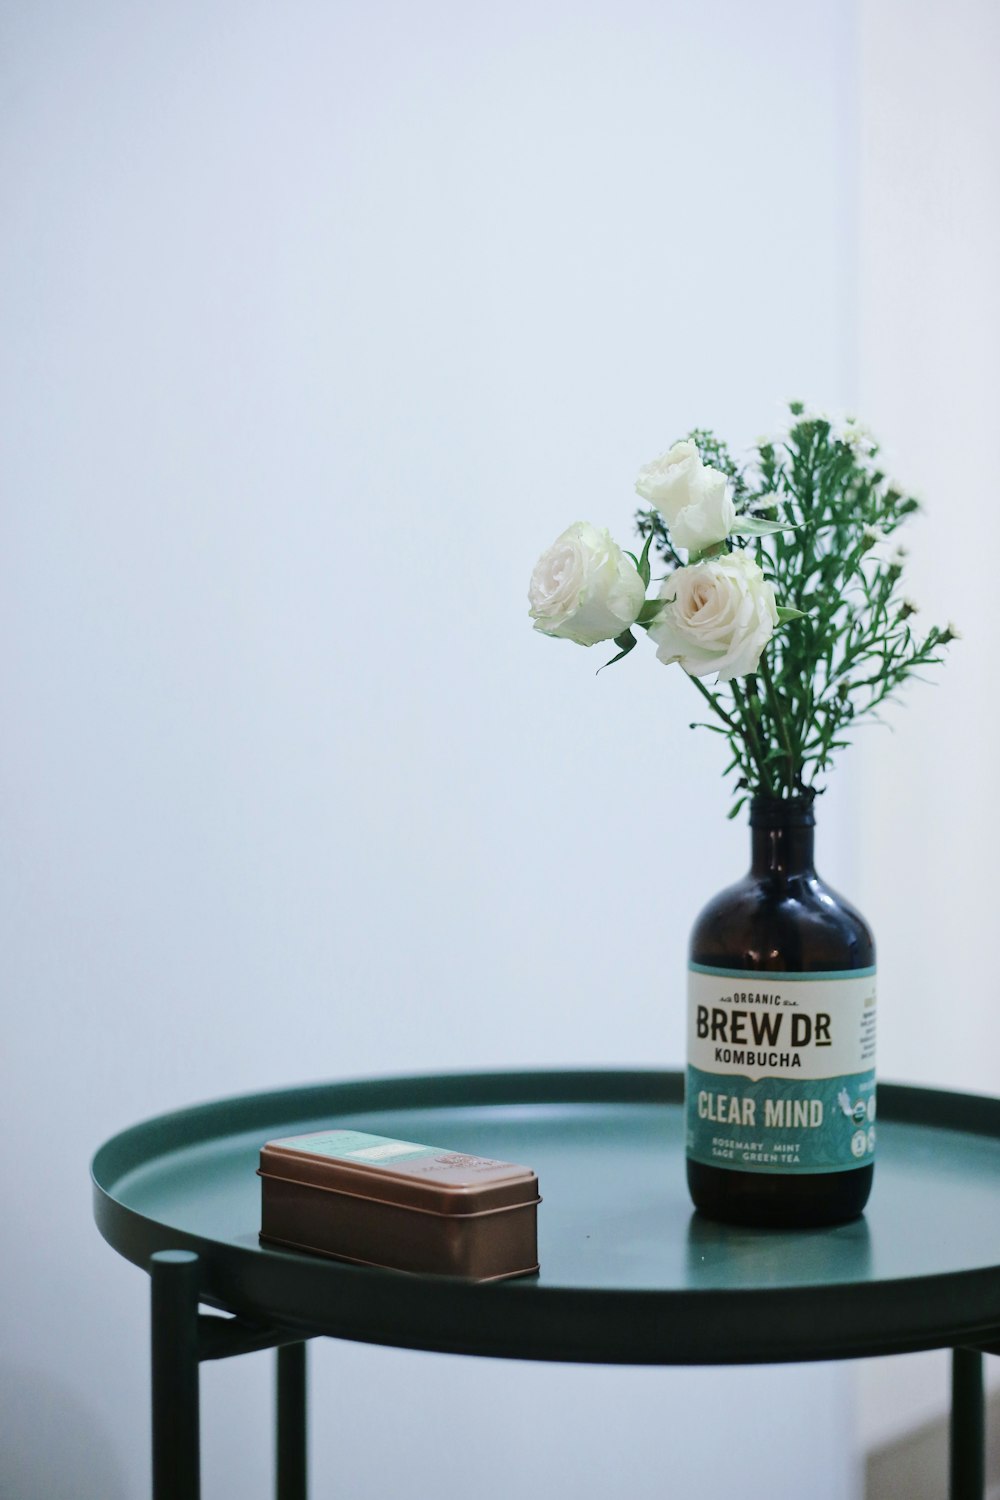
{"x":399,"y":1205}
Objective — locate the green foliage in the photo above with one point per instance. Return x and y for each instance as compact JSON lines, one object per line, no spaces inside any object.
{"x":642,"y":563}
{"x":650,"y":524}
{"x":757,"y":526}
{"x":819,"y":516}
{"x":627,"y":642}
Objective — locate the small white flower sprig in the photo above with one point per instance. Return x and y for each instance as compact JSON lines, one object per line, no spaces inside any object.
{"x":805,"y":523}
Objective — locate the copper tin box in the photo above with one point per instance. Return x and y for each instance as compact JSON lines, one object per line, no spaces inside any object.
{"x":381,"y":1202}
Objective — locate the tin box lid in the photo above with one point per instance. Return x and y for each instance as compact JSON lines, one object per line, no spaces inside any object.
{"x":405,"y":1173}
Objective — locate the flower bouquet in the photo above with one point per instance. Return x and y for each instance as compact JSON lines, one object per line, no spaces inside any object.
{"x":782,"y":583}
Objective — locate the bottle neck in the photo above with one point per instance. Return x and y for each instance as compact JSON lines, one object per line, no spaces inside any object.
{"x":781,"y":836}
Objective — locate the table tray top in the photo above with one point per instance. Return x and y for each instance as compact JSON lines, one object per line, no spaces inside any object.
{"x":629,"y":1273}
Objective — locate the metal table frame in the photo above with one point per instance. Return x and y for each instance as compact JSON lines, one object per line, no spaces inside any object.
{"x":183,"y":1336}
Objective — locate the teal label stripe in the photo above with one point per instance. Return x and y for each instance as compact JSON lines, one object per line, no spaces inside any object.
{"x":780,"y":1125}
{"x":782,"y":974}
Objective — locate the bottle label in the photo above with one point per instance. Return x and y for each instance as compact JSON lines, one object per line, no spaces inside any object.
{"x":781,"y":1070}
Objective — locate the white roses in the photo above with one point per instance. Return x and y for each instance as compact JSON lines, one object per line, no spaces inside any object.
{"x":766,"y":581}
{"x":715,"y":614}
{"x":718,"y":617}
{"x":584,"y":588}
{"x":692,"y":498}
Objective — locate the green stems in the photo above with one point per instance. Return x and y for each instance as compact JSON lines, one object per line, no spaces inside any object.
{"x":738,"y":738}
{"x":715,"y":705}
{"x":774,"y":703}
{"x":753,"y":738}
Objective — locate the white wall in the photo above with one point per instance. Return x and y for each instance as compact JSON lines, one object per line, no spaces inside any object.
{"x":320,"y":322}
{"x":929,"y":330}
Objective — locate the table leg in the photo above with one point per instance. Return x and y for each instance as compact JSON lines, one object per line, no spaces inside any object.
{"x":174,"y":1289}
{"x":290,"y":1467}
{"x":967,"y":1426}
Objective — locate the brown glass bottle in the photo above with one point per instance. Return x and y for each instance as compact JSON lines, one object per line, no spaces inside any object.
{"x":780,"y":919}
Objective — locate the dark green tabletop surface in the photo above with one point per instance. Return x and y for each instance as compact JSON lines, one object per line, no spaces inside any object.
{"x":629,"y":1274}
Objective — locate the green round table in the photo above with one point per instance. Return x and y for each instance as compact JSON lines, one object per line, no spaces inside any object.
{"x":629,"y":1273}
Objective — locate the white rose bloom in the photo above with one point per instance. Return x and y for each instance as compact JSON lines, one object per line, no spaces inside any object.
{"x":718,"y":617}
{"x":692,"y":498}
{"x":584,"y":588}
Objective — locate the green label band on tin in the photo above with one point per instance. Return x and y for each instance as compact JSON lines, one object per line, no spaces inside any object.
{"x":781,"y":1070}
{"x":357,"y":1145}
